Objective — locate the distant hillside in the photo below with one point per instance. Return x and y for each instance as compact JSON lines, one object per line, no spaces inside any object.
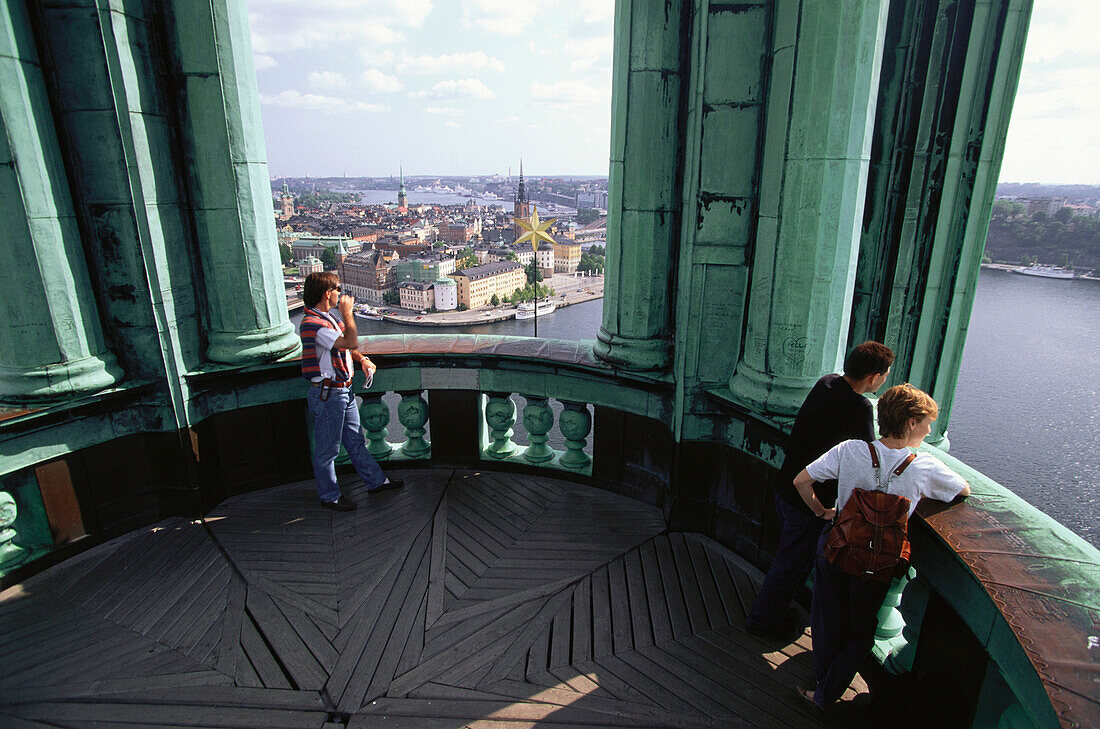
{"x":1075,"y":194}
{"x":1063,"y":238}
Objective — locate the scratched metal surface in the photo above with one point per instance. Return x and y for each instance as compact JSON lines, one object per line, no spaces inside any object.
{"x":1044,"y":580}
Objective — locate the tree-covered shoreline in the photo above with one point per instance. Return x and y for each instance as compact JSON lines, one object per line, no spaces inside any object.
{"x":1063,"y":238}
{"x":1054,"y":236}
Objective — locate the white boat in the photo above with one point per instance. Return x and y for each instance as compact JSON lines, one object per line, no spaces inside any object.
{"x":526,"y":310}
{"x":1046,"y":271}
{"x":365,"y":311}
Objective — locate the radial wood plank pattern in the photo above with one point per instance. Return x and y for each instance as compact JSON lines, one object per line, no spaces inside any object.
{"x":463,"y":599}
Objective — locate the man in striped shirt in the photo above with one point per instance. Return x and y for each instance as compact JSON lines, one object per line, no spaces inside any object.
{"x":329,"y":346}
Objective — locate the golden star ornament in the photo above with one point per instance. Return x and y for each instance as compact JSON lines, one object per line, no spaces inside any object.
{"x":536,"y":230}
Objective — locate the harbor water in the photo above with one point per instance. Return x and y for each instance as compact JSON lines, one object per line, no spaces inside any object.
{"x":1027,"y":405}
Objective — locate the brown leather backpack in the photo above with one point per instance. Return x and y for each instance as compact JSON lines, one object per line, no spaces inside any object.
{"x":870,"y":537}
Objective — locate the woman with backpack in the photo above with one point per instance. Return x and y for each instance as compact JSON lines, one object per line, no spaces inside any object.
{"x":879,"y":486}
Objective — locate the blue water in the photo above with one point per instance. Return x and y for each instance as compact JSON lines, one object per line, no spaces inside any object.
{"x":389,"y":197}
{"x":1027,"y":405}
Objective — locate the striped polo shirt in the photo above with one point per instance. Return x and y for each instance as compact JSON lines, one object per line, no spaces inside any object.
{"x":319,"y":331}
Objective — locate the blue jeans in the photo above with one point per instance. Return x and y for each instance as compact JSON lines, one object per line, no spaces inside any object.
{"x":843,"y":620}
{"x":336,"y":420}
{"x":794,"y":557}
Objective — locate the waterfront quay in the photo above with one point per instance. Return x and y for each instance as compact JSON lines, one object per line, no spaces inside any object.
{"x":568,"y":289}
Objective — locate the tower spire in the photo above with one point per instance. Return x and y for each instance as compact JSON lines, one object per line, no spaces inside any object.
{"x":402,"y":196}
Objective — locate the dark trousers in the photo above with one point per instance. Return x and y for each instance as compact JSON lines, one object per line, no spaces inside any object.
{"x":843,"y":620}
{"x":794,"y":557}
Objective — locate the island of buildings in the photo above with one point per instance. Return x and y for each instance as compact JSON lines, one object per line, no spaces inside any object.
{"x":432,"y":257}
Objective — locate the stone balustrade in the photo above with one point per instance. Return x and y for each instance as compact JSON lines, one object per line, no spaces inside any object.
{"x":499,"y":414}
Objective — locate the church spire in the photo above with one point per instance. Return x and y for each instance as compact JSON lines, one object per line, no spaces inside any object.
{"x":521,"y":192}
{"x":402,"y":196}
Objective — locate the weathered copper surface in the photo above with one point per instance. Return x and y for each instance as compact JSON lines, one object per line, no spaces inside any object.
{"x":555,"y":350}
{"x":8,"y":412}
{"x":1044,"y":585}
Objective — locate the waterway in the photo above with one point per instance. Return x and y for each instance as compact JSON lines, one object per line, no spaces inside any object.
{"x":389,"y":197}
{"x":1027,"y":405}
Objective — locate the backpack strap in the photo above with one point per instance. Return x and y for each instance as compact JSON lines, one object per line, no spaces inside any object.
{"x":905,"y":464}
{"x":896,"y":472}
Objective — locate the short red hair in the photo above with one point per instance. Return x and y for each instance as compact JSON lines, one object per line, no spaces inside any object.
{"x":899,"y":405}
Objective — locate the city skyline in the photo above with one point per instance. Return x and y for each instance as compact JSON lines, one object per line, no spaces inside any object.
{"x":468,"y":88}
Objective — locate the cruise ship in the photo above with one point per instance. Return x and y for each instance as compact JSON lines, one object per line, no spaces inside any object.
{"x":1045,"y":271}
{"x":526,"y":310}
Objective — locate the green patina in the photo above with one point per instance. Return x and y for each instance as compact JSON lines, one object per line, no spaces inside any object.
{"x":786,"y":178}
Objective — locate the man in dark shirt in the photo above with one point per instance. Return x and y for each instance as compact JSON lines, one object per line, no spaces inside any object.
{"x":833,"y":412}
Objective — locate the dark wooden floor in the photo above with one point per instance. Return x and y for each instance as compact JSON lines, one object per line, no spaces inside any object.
{"x":464,"y":599}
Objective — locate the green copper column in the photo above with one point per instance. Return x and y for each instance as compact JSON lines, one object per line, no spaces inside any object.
{"x":228,"y":180}
{"x":945,"y":113}
{"x":644,"y":204}
{"x":52,"y":344}
{"x":988,"y":87}
{"x":820,"y":114}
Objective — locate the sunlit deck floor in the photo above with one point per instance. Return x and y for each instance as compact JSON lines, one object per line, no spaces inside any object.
{"x":464,"y":599}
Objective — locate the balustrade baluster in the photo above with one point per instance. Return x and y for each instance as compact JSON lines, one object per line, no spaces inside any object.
{"x":889,"y":637}
{"x":538,"y":418}
{"x":375,"y":416}
{"x":575,"y":424}
{"x":412,"y":412}
{"x":11,"y":554}
{"x":500,"y":416}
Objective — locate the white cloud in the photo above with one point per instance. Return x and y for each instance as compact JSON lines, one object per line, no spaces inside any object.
{"x":377,"y":57}
{"x":504,"y":17}
{"x":262,"y":61}
{"x":379,"y":81}
{"x":452,"y":124}
{"x":588,"y":18}
{"x":1064,"y":29}
{"x":460,"y":88}
{"x":510,"y":119}
{"x":445,"y":111}
{"x":287,"y":25}
{"x":1054,"y":135}
{"x":327,"y":80}
{"x":453,"y":63}
{"x":599,"y":47}
{"x":331,"y":104}
{"x":566,"y":93}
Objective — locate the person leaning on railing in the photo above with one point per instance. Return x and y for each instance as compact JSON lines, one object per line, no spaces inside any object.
{"x":844,"y":614}
{"x":834,"y":411}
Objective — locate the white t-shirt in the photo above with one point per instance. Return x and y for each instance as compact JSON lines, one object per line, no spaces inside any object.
{"x":325,"y":338}
{"x":850,"y":463}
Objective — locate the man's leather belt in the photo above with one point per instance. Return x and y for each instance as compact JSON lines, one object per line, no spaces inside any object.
{"x":331,"y":383}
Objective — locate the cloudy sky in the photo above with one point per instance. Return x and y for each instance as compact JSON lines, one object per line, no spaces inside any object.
{"x":469,"y":86}
{"x":443,"y":87}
